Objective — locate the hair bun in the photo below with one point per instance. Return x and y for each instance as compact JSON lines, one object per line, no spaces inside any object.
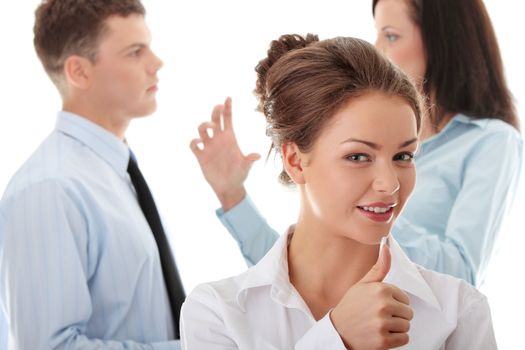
{"x":278,"y":48}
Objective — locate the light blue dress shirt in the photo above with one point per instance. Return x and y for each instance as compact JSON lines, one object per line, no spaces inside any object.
{"x":79,"y":266}
{"x":466,"y":178}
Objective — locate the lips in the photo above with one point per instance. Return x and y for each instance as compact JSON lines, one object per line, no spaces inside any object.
{"x":153,"y":88}
{"x":379,"y":212}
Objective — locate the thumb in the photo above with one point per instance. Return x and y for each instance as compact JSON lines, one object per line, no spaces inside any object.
{"x":378,"y":272}
{"x":251,"y":158}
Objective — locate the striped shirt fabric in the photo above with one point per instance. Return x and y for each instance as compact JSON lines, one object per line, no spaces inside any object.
{"x":79,"y":267}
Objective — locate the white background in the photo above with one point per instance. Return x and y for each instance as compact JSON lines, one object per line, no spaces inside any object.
{"x":210,"y":49}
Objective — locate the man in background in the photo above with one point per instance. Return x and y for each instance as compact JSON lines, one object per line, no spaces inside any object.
{"x":84,"y":260}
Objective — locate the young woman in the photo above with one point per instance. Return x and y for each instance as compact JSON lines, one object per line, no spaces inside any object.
{"x":471,"y":151}
{"x":345,"y":122}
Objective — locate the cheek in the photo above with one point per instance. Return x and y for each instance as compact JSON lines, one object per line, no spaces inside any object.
{"x":333,"y":191}
{"x":121,"y":77}
{"x":401,"y":56}
{"x":347,"y":188}
{"x":409,"y":59}
{"x":407,"y":182}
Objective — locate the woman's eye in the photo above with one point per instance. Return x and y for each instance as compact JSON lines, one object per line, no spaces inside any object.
{"x":391,"y":37}
{"x":405,"y":157}
{"x":358,"y":157}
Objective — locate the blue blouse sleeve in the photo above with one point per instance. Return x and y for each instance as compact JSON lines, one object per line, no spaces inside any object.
{"x":251,"y":231}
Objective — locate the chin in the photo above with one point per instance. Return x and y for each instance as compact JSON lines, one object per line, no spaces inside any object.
{"x":147,"y":111}
{"x":366,"y":234}
{"x":373,"y":234}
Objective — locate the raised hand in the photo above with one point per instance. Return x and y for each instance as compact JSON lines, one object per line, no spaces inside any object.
{"x":373,"y":315}
{"x":220,"y":158}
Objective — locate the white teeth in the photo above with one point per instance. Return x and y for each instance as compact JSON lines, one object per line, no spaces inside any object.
{"x":376,"y":209}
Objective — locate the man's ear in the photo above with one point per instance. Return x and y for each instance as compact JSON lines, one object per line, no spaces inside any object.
{"x":78,"y":71}
{"x":293,"y":160}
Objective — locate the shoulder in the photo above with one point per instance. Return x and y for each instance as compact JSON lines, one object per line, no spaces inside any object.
{"x":455,"y":295}
{"x":486,"y":142}
{"x":52,"y":166}
{"x":485,"y":128}
{"x":223,"y":291}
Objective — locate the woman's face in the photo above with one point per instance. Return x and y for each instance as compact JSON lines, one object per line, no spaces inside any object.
{"x":400,"y":38}
{"x":361,"y":171}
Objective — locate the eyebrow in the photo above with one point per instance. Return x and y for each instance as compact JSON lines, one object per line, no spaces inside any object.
{"x":386,"y":27}
{"x":376,"y":146}
{"x":133,"y":46}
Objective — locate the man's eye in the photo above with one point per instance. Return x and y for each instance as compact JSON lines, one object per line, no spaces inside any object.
{"x":136,"y":53}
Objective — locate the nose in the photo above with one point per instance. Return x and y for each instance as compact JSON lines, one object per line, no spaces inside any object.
{"x":156,"y":64}
{"x":386,"y":180}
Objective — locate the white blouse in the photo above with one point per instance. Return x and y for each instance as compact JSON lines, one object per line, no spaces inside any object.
{"x":260,"y":309}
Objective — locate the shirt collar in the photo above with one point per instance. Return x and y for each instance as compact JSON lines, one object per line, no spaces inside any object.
{"x":461,"y":118}
{"x":405,"y":275}
{"x":106,"y":145}
{"x":272,"y":271}
{"x":456,"y":120}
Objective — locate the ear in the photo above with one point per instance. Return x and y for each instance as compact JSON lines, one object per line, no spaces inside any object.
{"x":78,"y":71}
{"x":293,"y":161}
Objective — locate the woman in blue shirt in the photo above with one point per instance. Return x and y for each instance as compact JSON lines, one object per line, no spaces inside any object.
{"x":469,"y":161}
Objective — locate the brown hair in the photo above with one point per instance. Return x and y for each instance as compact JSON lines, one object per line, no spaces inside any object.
{"x":74,"y":27}
{"x":303,"y":82}
{"x":464,"y":71}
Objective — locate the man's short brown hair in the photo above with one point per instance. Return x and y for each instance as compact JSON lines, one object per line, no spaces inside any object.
{"x":74,"y":27}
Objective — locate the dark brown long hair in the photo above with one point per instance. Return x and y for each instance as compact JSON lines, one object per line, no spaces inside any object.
{"x":303,"y":82}
{"x":464,"y":71}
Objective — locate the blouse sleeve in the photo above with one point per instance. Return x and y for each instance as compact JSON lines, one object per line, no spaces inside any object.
{"x":251,"y":231}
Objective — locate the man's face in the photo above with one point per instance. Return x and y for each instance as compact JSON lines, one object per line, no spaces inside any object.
{"x":124,"y":78}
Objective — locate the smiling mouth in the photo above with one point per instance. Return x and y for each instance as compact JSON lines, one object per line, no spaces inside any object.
{"x":378,"y":214}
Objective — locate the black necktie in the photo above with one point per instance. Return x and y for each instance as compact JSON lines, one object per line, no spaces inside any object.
{"x":174,"y":286}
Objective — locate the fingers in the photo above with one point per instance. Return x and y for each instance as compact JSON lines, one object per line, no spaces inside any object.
{"x":402,"y":311}
{"x":194,"y":146}
{"x":400,"y":305}
{"x":227,"y":114}
{"x":394,"y":340}
{"x":223,"y":112}
{"x":398,"y":325}
{"x":379,"y":271}
{"x":203,"y":130}
{"x":216,"y":114}
{"x":400,"y":295}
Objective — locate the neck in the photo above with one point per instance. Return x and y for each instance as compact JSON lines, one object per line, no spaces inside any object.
{"x":323,"y":265}
{"x":429,"y":129}
{"x":109,"y":120}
